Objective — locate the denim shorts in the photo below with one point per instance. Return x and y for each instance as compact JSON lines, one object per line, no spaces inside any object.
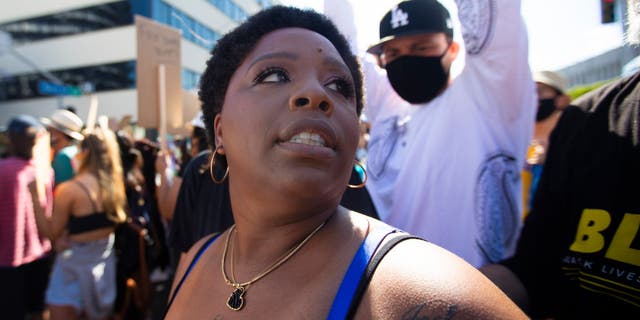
{"x":84,"y":277}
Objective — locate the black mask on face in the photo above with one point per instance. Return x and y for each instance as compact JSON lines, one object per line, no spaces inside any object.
{"x":417,"y":79}
{"x":546,"y":107}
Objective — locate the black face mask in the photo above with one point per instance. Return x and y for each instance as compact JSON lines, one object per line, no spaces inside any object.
{"x":546,"y":107}
{"x":417,"y":79}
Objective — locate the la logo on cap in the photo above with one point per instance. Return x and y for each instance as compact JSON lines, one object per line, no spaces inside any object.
{"x":399,"y":18}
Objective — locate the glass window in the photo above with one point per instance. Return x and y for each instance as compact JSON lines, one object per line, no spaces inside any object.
{"x":190,"y":79}
{"x":67,"y":23}
{"x":113,"y":76}
{"x":192,"y":30}
{"x":229,"y":8}
{"x":265,"y":3}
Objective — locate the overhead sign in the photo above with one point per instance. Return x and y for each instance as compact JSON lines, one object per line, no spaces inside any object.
{"x":157,"y":45}
{"x":50,"y":88}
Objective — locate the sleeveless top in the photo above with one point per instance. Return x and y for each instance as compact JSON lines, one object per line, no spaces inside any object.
{"x":355,"y":280}
{"x":94,"y":221}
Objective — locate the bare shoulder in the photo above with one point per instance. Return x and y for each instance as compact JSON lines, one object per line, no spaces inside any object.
{"x":419,"y":280}
{"x":66,"y":193}
{"x":187,"y":258}
{"x":68,"y":187}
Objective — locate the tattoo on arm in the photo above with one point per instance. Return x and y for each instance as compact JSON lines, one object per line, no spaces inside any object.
{"x":416,"y":313}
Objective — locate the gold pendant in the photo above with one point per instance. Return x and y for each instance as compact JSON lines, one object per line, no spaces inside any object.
{"x":236,"y":299}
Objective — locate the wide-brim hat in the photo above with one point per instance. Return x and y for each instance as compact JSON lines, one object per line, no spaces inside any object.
{"x":67,"y":122}
{"x":413,"y":17}
{"x":552,"y":79}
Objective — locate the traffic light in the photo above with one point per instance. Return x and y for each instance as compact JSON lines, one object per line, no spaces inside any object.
{"x":607,"y":11}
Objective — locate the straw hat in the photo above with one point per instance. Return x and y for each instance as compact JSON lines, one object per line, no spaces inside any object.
{"x":67,"y":122}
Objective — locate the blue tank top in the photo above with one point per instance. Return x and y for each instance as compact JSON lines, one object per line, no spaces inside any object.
{"x":355,"y":280}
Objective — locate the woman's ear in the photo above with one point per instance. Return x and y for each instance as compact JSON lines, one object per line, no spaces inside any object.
{"x":217,"y":127}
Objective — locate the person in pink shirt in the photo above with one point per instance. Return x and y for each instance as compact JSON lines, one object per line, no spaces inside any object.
{"x":25,"y":256}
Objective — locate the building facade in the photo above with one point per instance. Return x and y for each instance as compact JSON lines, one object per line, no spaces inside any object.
{"x":78,"y":47}
{"x":610,"y":64}
{"x":606,"y":66}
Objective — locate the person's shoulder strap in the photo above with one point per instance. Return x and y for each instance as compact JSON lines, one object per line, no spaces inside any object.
{"x":397,"y":237}
{"x":86,"y":190}
{"x":197,"y":256}
{"x":362,"y":267}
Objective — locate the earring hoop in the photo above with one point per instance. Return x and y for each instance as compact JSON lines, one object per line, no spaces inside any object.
{"x":364,"y":181}
{"x":212,"y":164}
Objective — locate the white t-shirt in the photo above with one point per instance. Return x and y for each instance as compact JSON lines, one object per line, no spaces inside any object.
{"x":449,"y":170}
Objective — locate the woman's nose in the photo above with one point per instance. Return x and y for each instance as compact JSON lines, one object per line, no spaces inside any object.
{"x":311,"y":96}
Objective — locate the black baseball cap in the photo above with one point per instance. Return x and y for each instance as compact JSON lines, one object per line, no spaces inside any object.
{"x":413,"y":17}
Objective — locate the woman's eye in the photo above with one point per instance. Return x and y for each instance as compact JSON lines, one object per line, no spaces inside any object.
{"x":342,"y":86}
{"x":272,"y":75}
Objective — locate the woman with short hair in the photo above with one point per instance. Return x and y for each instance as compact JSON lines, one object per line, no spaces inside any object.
{"x":282,"y":93}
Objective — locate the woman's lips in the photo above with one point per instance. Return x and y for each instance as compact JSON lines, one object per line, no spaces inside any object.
{"x":307,"y":150}
{"x":309,"y":138}
{"x":309,"y":131}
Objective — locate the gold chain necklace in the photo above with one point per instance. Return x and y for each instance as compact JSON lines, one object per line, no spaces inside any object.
{"x":236,"y":299}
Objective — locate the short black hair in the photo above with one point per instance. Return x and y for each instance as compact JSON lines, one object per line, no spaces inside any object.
{"x":232,"y":49}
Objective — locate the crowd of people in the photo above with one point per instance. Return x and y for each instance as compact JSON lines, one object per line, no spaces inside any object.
{"x":286,"y":204}
{"x":70,"y":191}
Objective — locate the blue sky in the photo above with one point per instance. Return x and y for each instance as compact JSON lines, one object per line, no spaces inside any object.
{"x":561,"y":32}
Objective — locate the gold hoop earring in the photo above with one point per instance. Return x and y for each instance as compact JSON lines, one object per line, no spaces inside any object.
{"x":212,"y":164}
{"x":364,"y":181}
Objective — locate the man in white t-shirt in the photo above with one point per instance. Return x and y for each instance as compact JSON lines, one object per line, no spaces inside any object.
{"x":445,"y":155}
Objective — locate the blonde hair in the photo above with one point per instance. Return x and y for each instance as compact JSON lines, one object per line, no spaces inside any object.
{"x":102,"y":159}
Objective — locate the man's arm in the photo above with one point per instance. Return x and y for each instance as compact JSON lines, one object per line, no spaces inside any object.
{"x":508,"y":282}
{"x":496,"y":70}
